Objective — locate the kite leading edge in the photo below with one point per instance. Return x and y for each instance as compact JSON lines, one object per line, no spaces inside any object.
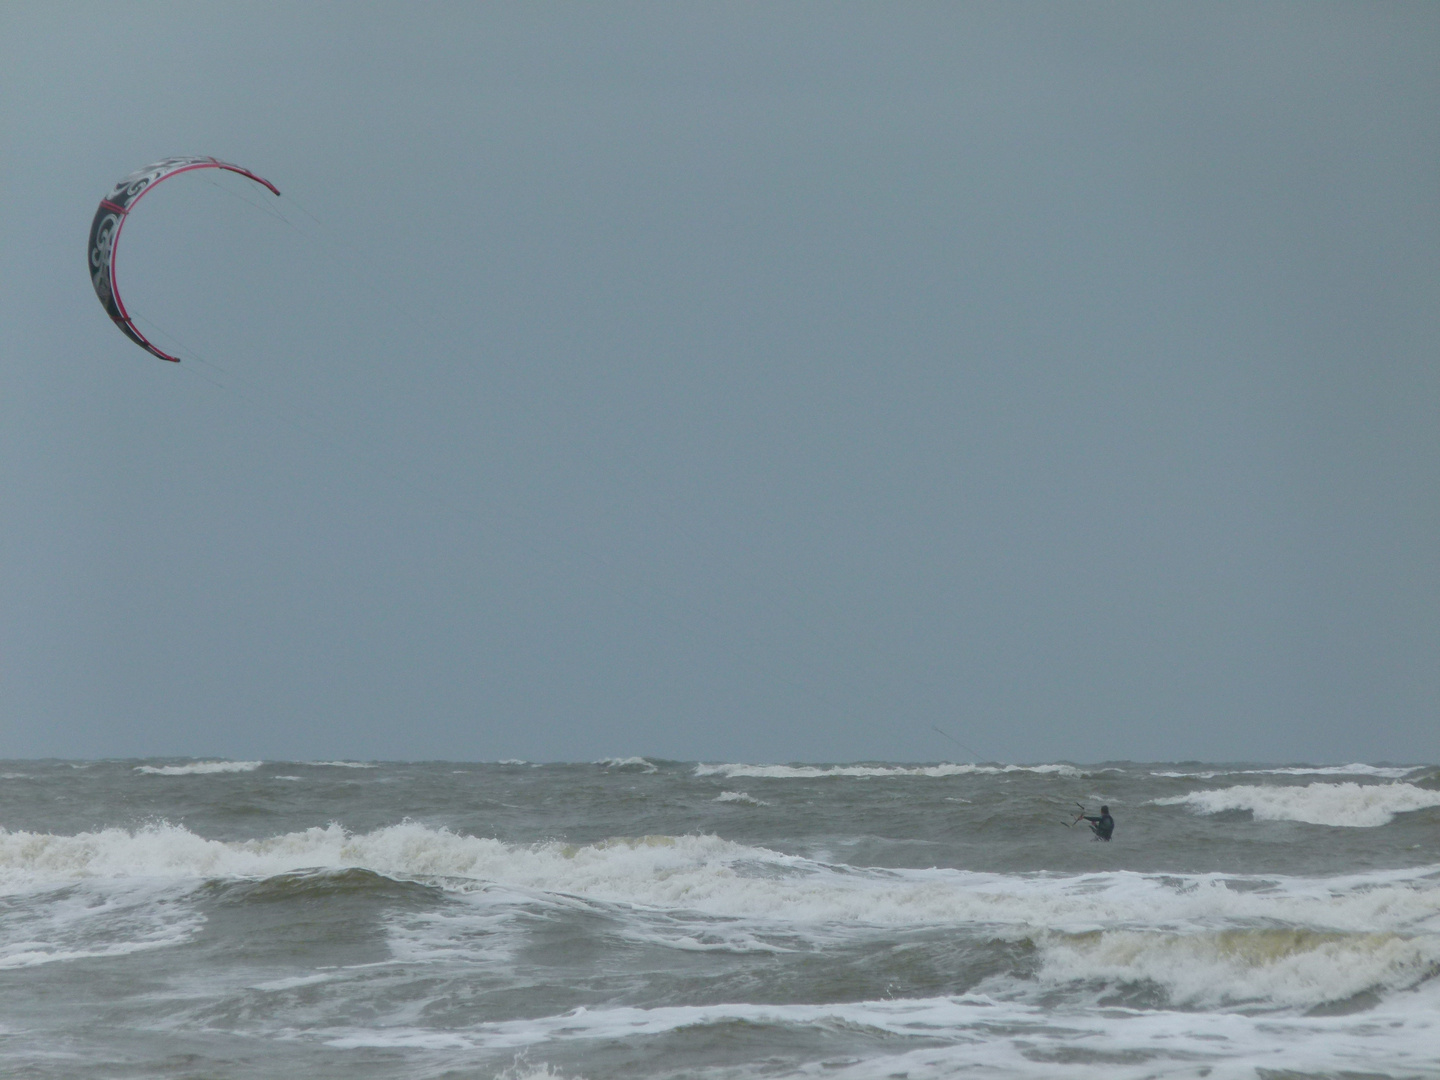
{"x":110,"y":219}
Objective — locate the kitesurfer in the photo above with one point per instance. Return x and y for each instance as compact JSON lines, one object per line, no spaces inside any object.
{"x":1103,"y":825}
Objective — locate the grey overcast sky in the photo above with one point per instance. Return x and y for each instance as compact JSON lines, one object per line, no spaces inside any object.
{"x":725,"y":381}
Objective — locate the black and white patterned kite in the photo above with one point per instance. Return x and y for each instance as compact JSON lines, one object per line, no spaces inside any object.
{"x":110,"y":219}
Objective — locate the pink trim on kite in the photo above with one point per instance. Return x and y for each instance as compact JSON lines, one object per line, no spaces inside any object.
{"x":149,"y":345}
{"x":144,"y":341}
{"x":212,"y":163}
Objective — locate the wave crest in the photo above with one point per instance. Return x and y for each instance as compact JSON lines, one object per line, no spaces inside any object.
{"x":809,"y":772}
{"x":740,"y":797}
{"x":643,"y":764}
{"x":727,"y":879}
{"x":199,"y":768}
{"x":1268,"y":966}
{"x":1385,"y":772}
{"x":1345,"y":804}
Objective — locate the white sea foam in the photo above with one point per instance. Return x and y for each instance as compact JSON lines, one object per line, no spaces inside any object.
{"x":1266,"y":966}
{"x":293,"y":982}
{"x":1385,"y":772}
{"x":979,"y":1034}
{"x":997,"y":1038}
{"x":627,"y":763}
{"x":740,"y":797}
{"x":480,"y":936}
{"x":1343,"y":804}
{"x":200,"y":768}
{"x":810,"y":772}
{"x":94,"y":920}
{"x":1205,"y":939}
{"x":723,"y":878}
{"x":345,"y":764}
{"x":521,"y":1069}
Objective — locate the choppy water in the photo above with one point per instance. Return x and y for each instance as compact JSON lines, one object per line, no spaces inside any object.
{"x":639,"y":918}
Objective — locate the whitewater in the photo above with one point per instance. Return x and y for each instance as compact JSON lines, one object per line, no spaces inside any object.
{"x":634,"y":917}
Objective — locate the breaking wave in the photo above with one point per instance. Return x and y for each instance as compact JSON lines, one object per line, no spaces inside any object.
{"x":199,"y":768}
{"x":1204,"y":939}
{"x":740,"y":797}
{"x":345,"y":764}
{"x":643,"y":764}
{"x":1271,"y":967}
{"x":809,"y":772}
{"x":726,"y":878}
{"x":1344,"y":804}
{"x":1385,"y":772}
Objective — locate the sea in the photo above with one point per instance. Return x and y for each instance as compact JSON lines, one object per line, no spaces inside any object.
{"x":640,"y":918}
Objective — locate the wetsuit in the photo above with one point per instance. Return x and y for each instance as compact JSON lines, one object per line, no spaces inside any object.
{"x":1103,"y":825}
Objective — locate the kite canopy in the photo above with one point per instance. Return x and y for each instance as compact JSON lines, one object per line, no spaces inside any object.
{"x":110,"y":219}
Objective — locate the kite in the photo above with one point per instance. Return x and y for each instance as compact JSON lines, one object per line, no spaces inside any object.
{"x":110,"y":219}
